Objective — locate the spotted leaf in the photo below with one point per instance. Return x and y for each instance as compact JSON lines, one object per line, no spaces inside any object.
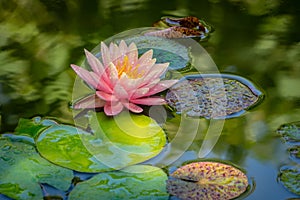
{"x":213,"y":96}
{"x":207,"y":180}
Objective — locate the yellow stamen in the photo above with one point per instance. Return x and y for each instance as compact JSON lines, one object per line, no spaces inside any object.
{"x":129,"y":69}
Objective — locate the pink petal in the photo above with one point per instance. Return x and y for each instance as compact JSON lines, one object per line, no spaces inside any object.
{"x":114,"y":52}
{"x":159,"y":69}
{"x":146,"y":67}
{"x":85,"y":75}
{"x":156,"y":71}
{"x":113,"y":74}
{"x":129,"y":84}
{"x":149,"y":101}
{"x":101,"y":84}
{"x":119,"y":91}
{"x":146,"y":57}
{"x":113,"y":108}
{"x":106,"y":77}
{"x":161,"y":86}
{"x":94,"y":62}
{"x":151,"y":84}
{"x":123,"y":48}
{"x":91,"y":101}
{"x":105,"y":54}
{"x":132,"y":107}
{"x":140,"y":93}
{"x":145,"y":62}
{"x":132,"y":54}
{"x":106,"y":97}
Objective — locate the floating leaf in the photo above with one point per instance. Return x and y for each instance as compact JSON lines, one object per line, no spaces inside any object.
{"x":164,"y":50}
{"x":110,"y":147}
{"x":295,"y":152}
{"x":32,"y":127}
{"x":188,"y":22}
{"x":62,"y":145}
{"x":290,"y":178}
{"x":290,"y":132}
{"x":207,"y":180}
{"x":22,"y":169}
{"x":176,"y":32}
{"x":213,"y":96}
{"x":127,"y":138}
{"x":135,"y":182}
{"x":181,"y":28}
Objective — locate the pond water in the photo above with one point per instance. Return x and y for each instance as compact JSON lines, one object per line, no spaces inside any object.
{"x":257,"y":40}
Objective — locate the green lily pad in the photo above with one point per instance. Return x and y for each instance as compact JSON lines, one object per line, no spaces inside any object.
{"x":164,"y":50}
{"x":207,"y":180}
{"x":290,"y":178}
{"x":22,"y":169}
{"x":213,"y":96}
{"x":109,"y":147}
{"x":62,"y":145}
{"x":127,"y":139}
{"x":134,"y":182}
{"x":32,"y":127}
{"x":295,"y":152}
{"x":290,"y":132}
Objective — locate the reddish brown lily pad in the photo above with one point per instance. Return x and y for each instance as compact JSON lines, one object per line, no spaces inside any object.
{"x":176,"y":32}
{"x":185,"y":27}
{"x":188,"y":22}
{"x":207,"y":180}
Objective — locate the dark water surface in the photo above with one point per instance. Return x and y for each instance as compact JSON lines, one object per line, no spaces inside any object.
{"x":258,"y":40}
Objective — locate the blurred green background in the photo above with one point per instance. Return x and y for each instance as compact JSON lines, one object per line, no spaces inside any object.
{"x":40,"y":38}
{"x":256,"y":39}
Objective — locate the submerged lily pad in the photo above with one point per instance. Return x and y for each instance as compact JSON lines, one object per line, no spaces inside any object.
{"x":213,"y":96}
{"x":207,"y":180}
{"x":22,"y":169}
{"x":109,"y":147}
{"x":290,"y":132}
{"x":290,"y":178}
{"x":134,"y":182}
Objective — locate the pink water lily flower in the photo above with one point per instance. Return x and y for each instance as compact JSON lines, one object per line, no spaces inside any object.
{"x":122,"y":80}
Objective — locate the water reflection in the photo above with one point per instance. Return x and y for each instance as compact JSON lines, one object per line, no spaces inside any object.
{"x":259,"y":38}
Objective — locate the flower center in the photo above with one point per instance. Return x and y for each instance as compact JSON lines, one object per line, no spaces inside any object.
{"x":130,"y":70}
